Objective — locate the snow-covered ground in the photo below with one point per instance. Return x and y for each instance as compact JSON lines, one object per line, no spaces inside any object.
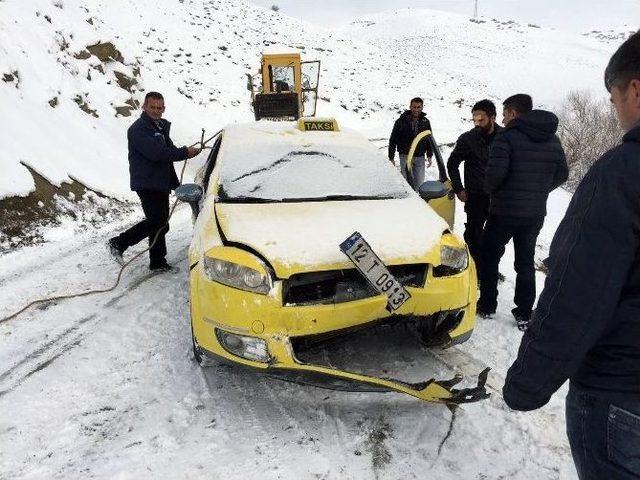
{"x":105,"y":387}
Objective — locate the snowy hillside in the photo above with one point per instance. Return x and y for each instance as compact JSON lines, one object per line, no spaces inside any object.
{"x":63,"y":101}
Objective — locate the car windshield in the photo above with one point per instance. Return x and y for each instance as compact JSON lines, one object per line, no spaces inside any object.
{"x":309,"y":172}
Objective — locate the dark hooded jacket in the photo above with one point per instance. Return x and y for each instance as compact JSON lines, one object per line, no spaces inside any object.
{"x":402,"y":136}
{"x":586,"y":326}
{"x":525,"y":164}
{"x":472,"y":148}
{"x":151,"y":155}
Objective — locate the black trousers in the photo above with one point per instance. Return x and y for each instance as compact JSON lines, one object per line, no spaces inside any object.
{"x":477,"y":209}
{"x":497,"y":233}
{"x":155,"y":206}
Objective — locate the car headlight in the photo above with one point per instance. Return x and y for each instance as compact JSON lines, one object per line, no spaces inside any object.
{"x":236,"y":276}
{"x":453,"y":260}
{"x":251,"y":348}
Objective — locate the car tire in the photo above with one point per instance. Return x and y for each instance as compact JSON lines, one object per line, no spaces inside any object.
{"x":197,"y":353}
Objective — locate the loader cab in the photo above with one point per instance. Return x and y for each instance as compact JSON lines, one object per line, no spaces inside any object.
{"x":288,"y":87}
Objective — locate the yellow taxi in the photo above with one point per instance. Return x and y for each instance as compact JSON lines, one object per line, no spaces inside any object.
{"x":304,"y":230}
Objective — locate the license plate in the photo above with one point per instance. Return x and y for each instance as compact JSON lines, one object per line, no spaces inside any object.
{"x":364,"y":258}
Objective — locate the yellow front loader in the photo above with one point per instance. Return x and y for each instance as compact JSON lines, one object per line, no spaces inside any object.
{"x":288,"y":87}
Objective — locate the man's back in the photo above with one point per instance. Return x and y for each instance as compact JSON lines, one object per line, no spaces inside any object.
{"x":526,"y":163}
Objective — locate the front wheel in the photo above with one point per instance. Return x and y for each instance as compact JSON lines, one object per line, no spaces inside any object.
{"x":197,"y":354}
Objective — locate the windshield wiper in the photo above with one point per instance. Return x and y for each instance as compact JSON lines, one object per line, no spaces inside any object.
{"x":328,"y":198}
{"x":225,"y":199}
{"x":331,"y":198}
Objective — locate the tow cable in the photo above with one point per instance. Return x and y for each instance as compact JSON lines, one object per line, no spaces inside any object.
{"x":202,"y":143}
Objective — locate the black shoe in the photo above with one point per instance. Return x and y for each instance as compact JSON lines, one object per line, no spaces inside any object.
{"x":115,"y":251}
{"x":164,"y":268}
{"x":484,"y":313}
{"x":500,"y":277}
{"x":522,"y":321}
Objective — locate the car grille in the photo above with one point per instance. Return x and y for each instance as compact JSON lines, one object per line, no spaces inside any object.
{"x":339,"y":286}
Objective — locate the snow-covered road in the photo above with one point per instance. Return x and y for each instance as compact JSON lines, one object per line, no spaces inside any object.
{"x":105,"y":387}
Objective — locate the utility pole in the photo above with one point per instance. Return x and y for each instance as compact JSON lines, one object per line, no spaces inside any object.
{"x":475,"y":10}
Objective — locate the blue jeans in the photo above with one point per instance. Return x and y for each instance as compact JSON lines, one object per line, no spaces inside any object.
{"x":417,"y":170}
{"x":604,"y":437}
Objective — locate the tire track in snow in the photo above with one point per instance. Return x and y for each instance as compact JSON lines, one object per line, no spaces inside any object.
{"x":242,"y":391}
{"x":277,"y":429}
{"x":44,"y":355}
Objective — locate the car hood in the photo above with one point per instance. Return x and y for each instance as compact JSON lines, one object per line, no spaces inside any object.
{"x":305,"y":236}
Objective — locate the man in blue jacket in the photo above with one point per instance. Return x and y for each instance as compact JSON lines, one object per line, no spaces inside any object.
{"x":151,"y":157}
{"x":525,"y":164}
{"x":586,"y":327}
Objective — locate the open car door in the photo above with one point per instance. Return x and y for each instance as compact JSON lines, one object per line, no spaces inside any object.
{"x":444,"y":206}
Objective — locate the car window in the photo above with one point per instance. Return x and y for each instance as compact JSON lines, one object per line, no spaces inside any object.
{"x":306,"y":172}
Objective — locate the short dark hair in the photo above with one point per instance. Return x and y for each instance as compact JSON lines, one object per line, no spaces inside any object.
{"x":624,"y":65}
{"x":486,"y":106}
{"x":416,"y":100}
{"x":154,"y":95}
{"x":520,"y":102}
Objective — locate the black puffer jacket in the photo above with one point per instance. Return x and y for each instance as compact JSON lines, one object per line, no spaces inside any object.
{"x":586,"y":326}
{"x":525,"y":164}
{"x":151,"y":155}
{"x":402,"y":136}
{"x":472,"y":148}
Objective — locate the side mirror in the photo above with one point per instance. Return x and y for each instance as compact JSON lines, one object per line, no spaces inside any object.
{"x":432,"y":189}
{"x":192,"y":194}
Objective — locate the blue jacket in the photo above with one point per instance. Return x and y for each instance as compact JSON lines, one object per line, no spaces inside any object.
{"x":586,"y":326}
{"x":525,"y":164}
{"x":151,"y":155}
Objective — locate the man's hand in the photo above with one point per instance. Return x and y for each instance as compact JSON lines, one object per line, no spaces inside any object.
{"x":429,"y":161}
{"x":462,"y":195}
{"x":193,"y":151}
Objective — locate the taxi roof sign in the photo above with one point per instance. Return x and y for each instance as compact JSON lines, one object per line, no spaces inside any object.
{"x":308,"y":124}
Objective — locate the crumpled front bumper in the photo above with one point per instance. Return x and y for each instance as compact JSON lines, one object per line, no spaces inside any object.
{"x":437,"y":391}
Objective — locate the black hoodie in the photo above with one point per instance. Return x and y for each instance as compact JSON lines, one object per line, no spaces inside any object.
{"x":403,"y":134}
{"x":525,"y":164}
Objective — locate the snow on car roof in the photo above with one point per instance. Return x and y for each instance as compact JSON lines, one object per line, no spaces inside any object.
{"x":277,"y":161}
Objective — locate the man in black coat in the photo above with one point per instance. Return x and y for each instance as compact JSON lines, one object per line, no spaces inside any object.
{"x":411,"y":123}
{"x":586,"y":327}
{"x":525,"y":164}
{"x":472,"y":148}
{"x":151,"y":157}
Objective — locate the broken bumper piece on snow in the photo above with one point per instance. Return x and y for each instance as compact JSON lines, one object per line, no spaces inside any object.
{"x":436,"y":391}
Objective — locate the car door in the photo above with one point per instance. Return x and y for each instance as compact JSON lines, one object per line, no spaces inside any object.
{"x":444,"y":206}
